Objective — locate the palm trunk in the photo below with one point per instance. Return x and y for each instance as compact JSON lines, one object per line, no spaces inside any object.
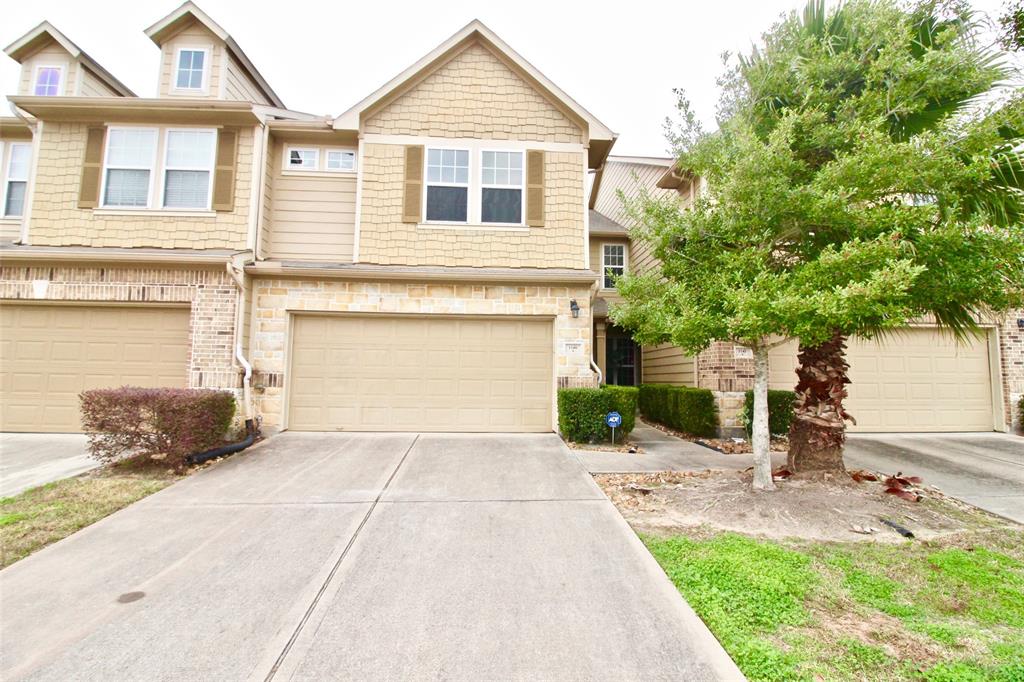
{"x":760,"y":438}
{"x":818,"y":431}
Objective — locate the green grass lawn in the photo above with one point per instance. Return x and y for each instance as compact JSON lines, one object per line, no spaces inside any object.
{"x":41,"y":516}
{"x":800,"y":610}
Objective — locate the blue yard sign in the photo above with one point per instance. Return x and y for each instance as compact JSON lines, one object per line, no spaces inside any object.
{"x":614,"y":420}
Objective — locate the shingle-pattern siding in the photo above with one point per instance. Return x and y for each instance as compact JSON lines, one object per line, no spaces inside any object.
{"x":57,"y":220}
{"x":475,"y":95}
{"x":385,"y":239}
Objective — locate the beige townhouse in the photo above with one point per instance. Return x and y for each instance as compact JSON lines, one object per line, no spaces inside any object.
{"x":421,"y":262}
{"x":917,"y":380}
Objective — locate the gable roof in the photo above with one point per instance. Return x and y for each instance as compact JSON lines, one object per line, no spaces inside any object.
{"x":22,"y":48}
{"x":163,"y":30}
{"x":477,"y":31}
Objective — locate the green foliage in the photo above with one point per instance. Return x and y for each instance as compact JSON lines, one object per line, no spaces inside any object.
{"x":690,"y":410}
{"x":780,"y":411}
{"x":1012,"y":24}
{"x":1020,"y":410}
{"x":582,"y":411}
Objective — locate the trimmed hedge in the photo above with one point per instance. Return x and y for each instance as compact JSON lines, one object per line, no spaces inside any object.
{"x":1020,"y":412}
{"x":171,"y":423}
{"x":780,"y":412}
{"x":686,"y":409}
{"x":581,"y":412}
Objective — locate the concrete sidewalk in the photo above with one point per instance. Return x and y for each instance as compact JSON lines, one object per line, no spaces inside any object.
{"x":28,"y":460}
{"x":359,"y":556}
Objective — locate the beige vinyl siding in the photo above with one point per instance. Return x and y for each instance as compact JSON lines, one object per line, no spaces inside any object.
{"x":92,"y":86}
{"x":193,"y":35}
{"x":313,"y":214}
{"x":239,"y":86}
{"x":667,"y":364}
{"x":10,"y":230}
{"x":271,"y":166}
{"x":50,"y":55}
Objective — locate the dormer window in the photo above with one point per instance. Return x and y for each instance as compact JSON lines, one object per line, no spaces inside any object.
{"x":47,"y":83}
{"x":191,"y":69}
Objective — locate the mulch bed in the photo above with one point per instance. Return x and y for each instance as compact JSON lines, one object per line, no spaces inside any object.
{"x":727,"y":446}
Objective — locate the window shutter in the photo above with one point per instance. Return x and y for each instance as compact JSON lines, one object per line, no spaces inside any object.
{"x":535,"y":188}
{"x":412,"y":187}
{"x":92,"y":166}
{"x":225,"y":170}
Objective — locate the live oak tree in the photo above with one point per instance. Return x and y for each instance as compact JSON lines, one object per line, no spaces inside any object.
{"x":855,"y":183}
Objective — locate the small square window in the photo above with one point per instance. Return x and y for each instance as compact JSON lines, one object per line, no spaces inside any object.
{"x":613,"y":264}
{"x":191,"y":68}
{"x":47,"y":81}
{"x":341,"y":160}
{"x":304,"y":159}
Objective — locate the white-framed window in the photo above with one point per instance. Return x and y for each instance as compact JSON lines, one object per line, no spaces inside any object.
{"x":189,"y":155}
{"x":48,"y":80}
{"x":191,"y":64}
{"x":302,"y":158}
{"x":15,"y":184}
{"x":446,"y":196}
{"x":341,"y":160}
{"x":613,"y":264}
{"x":501,"y":187}
{"x":128,"y":167}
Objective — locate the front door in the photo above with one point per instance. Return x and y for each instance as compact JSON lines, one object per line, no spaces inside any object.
{"x":620,"y":358}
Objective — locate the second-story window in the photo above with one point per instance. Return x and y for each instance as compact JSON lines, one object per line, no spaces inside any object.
{"x":131,"y":156}
{"x":501,"y":187}
{"x":188,"y":168}
{"x":448,"y":185}
{"x":16,"y":179}
{"x":300,"y":158}
{"x":47,"y":81}
{"x":341,"y":160}
{"x":191,"y":68}
{"x":613,"y":264}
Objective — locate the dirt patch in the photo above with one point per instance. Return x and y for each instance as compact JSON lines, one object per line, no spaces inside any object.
{"x":627,"y":448}
{"x":727,"y":446}
{"x":830,"y":509}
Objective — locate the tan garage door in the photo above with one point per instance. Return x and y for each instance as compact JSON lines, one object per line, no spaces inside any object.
{"x":49,"y":354}
{"x":419,"y":374}
{"x":918,"y":380}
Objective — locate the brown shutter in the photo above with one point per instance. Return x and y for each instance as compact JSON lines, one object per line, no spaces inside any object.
{"x":412,"y":187}
{"x":92,"y":166}
{"x":225,"y":171}
{"x":535,"y":188}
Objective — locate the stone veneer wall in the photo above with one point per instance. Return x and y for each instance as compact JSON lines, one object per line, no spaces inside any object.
{"x":210,"y":294}
{"x":274,"y":298}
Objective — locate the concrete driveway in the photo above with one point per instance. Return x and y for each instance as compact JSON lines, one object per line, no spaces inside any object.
{"x":984,"y":469}
{"x":31,"y":459}
{"x":359,"y":556}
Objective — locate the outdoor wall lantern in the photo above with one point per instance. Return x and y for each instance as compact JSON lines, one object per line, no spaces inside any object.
{"x":574,"y":307}
{"x":1020,"y":323}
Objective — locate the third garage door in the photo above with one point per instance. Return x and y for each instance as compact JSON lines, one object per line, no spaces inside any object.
{"x":394,"y":373}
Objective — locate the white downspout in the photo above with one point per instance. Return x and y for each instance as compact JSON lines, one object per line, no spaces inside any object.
{"x":237,"y":275}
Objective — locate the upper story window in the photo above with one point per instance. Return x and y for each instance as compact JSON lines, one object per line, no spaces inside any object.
{"x":128,"y":167}
{"x":341,"y":160}
{"x":48,"y":81}
{"x":501,"y":187}
{"x":303,"y":158}
{"x":190,"y":70}
{"x":188,"y":168}
{"x":613,"y":264}
{"x":447,"y":185}
{"x":16,"y":179}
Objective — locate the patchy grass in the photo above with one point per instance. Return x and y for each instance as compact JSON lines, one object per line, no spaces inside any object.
{"x":41,"y":516}
{"x":949,"y":608}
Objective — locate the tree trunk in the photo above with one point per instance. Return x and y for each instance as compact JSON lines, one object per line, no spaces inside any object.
{"x":760,"y":437}
{"x":818,"y":430}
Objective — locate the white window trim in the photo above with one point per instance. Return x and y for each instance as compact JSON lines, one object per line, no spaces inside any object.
{"x":289,"y":148}
{"x":625,"y":262}
{"x":522,"y":187}
{"x":8,"y":149}
{"x":175,"y":65}
{"x":164,"y":167}
{"x":60,"y":79}
{"x":351,"y":150}
{"x":152,"y":168}
{"x":472,"y":203}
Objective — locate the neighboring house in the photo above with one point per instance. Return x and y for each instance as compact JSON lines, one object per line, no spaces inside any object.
{"x":916,"y":380}
{"x":420,"y":262}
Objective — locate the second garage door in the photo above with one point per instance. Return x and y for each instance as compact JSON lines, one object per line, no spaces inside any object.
{"x":916,"y":380}
{"x":393,"y":373}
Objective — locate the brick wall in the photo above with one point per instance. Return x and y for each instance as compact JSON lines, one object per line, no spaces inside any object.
{"x":57,"y":221}
{"x":274,"y":298}
{"x":385,"y":239}
{"x":475,"y":95}
{"x":210,"y":294}
{"x":1011,"y":357}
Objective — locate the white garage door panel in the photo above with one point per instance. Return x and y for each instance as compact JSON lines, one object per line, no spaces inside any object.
{"x":420,"y":374}
{"x":917,"y":380}
{"x":50,"y":354}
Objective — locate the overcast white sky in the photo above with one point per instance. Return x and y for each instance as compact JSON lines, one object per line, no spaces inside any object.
{"x":619,"y":60}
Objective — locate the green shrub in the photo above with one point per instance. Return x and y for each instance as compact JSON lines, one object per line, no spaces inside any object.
{"x":1020,"y":412}
{"x":581,"y":412}
{"x":686,"y":409}
{"x":780,"y":412}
